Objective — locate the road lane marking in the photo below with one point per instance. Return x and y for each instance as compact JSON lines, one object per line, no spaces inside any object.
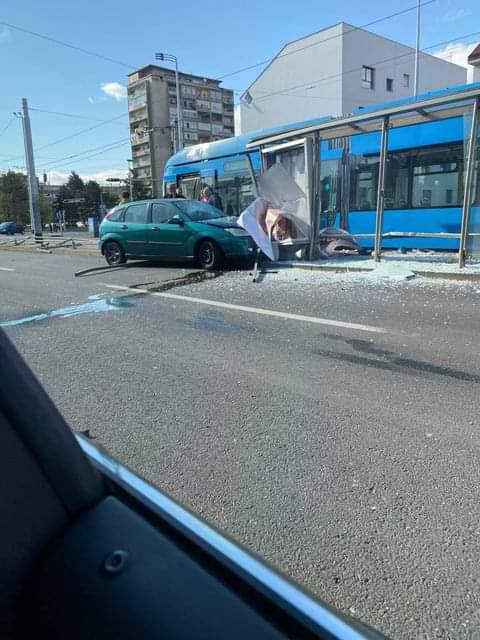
{"x":256,"y":310}
{"x":6,"y":269}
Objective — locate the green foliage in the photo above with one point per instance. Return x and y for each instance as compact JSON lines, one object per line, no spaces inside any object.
{"x":140,"y":192}
{"x":88,"y":195}
{"x":46,"y":210}
{"x":14,"y":197}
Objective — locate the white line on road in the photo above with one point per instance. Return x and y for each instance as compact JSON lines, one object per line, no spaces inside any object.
{"x":6,"y":269}
{"x":257,"y":310}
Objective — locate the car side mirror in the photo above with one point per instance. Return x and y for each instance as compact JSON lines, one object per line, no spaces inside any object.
{"x":176,"y":220}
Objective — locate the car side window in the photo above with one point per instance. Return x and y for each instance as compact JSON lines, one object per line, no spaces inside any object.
{"x":162,"y":213}
{"x":137,"y":214}
{"x":116,"y":214}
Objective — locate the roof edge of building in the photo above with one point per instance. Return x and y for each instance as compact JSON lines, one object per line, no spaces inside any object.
{"x":180,"y":73}
{"x":287,"y":44}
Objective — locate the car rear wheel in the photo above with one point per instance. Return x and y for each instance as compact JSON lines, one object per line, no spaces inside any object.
{"x":113,"y":253}
{"x":209,"y":255}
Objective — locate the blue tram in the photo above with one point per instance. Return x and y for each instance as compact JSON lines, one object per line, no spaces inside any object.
{"x":423,"y":184}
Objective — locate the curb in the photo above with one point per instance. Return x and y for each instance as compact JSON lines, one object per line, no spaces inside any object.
{"x":469,"y":277}
{"x":59,"y":251}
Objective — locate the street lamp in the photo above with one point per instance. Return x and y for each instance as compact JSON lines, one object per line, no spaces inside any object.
{"x":171,"y":58}
{"x":417,"y":52}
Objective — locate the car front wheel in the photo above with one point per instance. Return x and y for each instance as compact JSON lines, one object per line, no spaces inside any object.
{"x":209,"y":255}
{"x":113,"y":253}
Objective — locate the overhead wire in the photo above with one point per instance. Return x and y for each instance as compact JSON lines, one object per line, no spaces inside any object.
{"x":65,"y":44}
{"x":81,"y":153}
{"x":314,"y":44}
{"x":69,"y":115}
{"x":69,"y":137}
{"x":7,"y":126}
{"x":69,"y":164}
{"x":305,"y":85}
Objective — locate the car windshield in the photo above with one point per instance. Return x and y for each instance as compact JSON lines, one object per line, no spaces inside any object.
{"x":265,"y":300}
{"x":199,"y":211}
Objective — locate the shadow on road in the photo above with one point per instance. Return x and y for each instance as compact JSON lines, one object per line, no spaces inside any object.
{"x":390,"y":361}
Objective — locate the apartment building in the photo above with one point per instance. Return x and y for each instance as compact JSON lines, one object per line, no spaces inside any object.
{"x":206,"y":115}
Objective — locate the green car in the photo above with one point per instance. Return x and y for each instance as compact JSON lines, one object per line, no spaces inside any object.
{"x":173,"y":229}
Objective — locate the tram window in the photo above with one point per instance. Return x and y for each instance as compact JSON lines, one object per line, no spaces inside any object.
{"x":330,"y":181}
{"x":189,"y":186}
{"x":363,"y":185}
{"x":416,"y":178}
{"x":236,"y":194}
{"x":476,"y":177}
{"x":437,"y":177}
{"x":396,"y":181}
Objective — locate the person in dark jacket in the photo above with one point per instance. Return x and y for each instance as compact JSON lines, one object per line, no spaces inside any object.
{"x":212,"y":198}
{"x":172,"y":190}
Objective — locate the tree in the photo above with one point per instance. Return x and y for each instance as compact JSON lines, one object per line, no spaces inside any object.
{"x":92,"y":195}
{"x":75,"y":185}
{"x":74,"y":189}
{"x":14,"y":197}
{"x":46,"y":210}
{"x":140,"y":191}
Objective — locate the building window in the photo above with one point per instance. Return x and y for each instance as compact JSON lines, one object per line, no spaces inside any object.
{"x":389,"y":84}
{"x":368,"y":77}
{"x":406,"y":80}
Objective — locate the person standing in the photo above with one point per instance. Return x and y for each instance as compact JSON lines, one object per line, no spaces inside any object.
{"x":212,"y":198}
{"x":172,"y":190}
{"x":125,"y":197}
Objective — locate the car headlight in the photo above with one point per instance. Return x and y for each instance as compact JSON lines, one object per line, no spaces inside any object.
{"x":237,"y":231}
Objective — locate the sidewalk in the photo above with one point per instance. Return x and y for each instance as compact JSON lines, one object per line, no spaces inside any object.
{"x":75,"y":244}
{"x":394,"y":264}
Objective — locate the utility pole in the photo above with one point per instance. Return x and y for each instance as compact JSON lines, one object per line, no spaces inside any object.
{"x":130,"y":178}
{"x":32,"y":178}
{"x":417,"y":52}
{"x":171,"y":58}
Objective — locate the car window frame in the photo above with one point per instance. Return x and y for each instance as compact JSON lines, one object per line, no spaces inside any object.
{"x":134,"y":204}
{"x":187,"y":217}
{"x":170,"y":205}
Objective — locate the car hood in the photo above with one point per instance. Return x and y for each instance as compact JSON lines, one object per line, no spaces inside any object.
{"x":228,"y":222}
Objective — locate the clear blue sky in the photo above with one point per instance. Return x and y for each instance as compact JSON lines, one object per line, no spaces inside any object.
{"x":209,"y":38}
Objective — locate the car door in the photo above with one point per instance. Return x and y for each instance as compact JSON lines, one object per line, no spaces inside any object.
{"x":167,"y":239}
{"x":134,"y":228}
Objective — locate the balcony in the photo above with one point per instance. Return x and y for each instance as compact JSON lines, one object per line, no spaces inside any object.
{"x":140,"y":163}
{"x":139,"y":138}
{"x":203,"y":104}
{"x":189,"y":114}
{"x":204,"y":126}
{"x":137,"y":117}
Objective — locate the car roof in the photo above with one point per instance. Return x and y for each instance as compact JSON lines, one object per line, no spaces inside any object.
{"x":125,"y":204}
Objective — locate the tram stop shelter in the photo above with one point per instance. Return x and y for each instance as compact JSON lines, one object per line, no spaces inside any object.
{"x":299,"y":151}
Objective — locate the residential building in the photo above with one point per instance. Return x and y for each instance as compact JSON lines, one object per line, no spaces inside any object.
{"x":474,"y":65}
{"x":336,"y":70}
{"x":206,"y":115}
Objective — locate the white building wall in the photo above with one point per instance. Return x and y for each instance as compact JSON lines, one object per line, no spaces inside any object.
{"x":392,"y":60}
{"x":290,"y":76}
{"x":321,"y":74}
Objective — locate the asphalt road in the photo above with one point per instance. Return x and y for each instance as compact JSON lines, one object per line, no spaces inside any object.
{"x":345,"y":455}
